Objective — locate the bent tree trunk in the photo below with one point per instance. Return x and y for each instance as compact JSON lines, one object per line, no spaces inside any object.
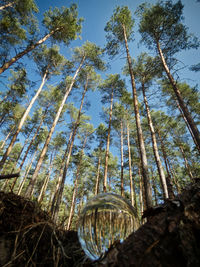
{"x":155,"y":147}
{"x":6,"y":154}
{"x":45,"y":147}
{"x":7,"y":64}
{"x":183,"y":106}
{"x":144,"y":164}
{"x":108,"y":143}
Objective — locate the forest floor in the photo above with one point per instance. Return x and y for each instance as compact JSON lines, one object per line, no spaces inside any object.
{"x":169,"y":238}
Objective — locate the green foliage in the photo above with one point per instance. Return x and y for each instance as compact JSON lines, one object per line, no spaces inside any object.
{"x":64,"y":22}
{"x":92,"y":55}
{"x":113,"y":82}
{"x":162,"y":23}
{"x":49,"y":59}
{"x":120,"y":19}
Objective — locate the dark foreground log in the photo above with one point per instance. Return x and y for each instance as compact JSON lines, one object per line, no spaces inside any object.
{"x":170,"y":238}
{"x":9,"y":176}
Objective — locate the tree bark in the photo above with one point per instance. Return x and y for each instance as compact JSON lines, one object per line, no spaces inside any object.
{"x":60,"y":192}
{"x":188,"y":126}
{"x":29,"y":48}
{"x":108,"y":143}
{"x":183,"y":106}
{"x":33,"y":139}
{"x":130,"y":164}
{"x":168,"y":178}
{"x":144,"y":164}
{"x":46,"y":181}
{"x":45,"y":147}
{"x":8,"y":135}
{"x":122,"y":157}
{"x":21,"y":123}
{"x":7,"y":5}
{"x":187,"y":166}
{"x":155,"y":148}
{"x":96,"y":192}
{"x":71,"y":214}
{"x":26,"y":173}
{"x":55,"y":194}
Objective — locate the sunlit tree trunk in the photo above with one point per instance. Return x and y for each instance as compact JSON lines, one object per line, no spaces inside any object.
{"x":188,"y":126}
{"x":46,"y":181}
{"x":7,"y":5}
{"x":108,"y":143}
{"x":61,"y":188}
{"x":122,"y":157}
{"x":6,"y":138}
{"x":168,"y":177}
{"x":45,"y":147}
{"x":155,"y":147}
{"x":179,"y":97}
{"x":187,"y":165}
{"x":29,"y":48}
{"x":130,"y":164}
{"x":144,"y":164}
{"x":32,"y":140}
{"x":26,"y":174}
{"x":55,"y":194}
{"x":21,"y":123}
{"x":98,"y":176}
{"x":71,"y":213}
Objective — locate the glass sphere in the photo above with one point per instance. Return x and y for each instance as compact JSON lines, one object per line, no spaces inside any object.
{"x":106,"y":218}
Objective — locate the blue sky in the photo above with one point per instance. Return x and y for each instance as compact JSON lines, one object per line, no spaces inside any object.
{"x":96,"y":13}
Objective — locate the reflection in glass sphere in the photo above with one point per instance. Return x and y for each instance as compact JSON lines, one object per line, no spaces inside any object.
{"x":105,"y":219}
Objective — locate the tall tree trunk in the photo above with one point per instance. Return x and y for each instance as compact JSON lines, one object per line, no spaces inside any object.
{"x":142,"y":201}
{"x":60,"y":192}
{"x":55,"y":194}
{"x":98,"y":176}
{"x":144,"y":164}
{"x":45,"y":147}
{"x":19,"y":155}
{"x":154,"y":187}
{"x":168,"y":177}
{"x":21,"y":123}
{"x":28,"y":49}
{"x":130,"y":164}
{"x":46,"y":181}
{"x":122,"y":157}
{"x":26,"y":174}
{"x":33,"y":139}
{"x":7,"y":5}
{"x":155,"y":147}
{"x":188,"y":126}
{"x":71,"y":213}
{"x":187,"y":165}
{"x":108,"y":143}
{"x":8,"y":135}
{"x":183,"y":106}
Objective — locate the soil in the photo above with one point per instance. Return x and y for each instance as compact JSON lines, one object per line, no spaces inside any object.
{"x":28,"y":237}
{"x":169,"y":238}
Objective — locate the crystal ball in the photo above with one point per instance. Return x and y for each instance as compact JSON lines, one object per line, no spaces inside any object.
{"x":105,"y":219}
